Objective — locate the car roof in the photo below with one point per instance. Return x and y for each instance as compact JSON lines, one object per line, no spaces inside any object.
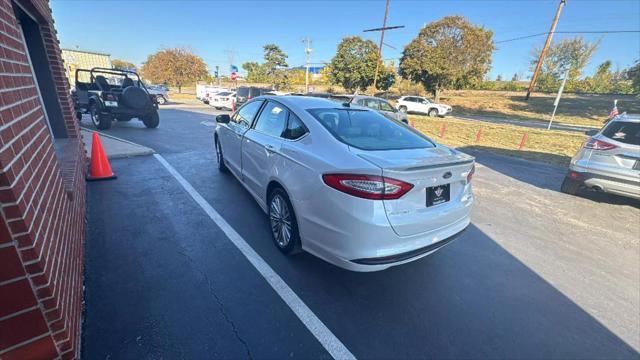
{"x":304,"y":102}
{"x":627,"y":117}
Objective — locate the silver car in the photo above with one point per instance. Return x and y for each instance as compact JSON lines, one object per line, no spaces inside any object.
{"x":609,"y":161}
{"x":380,"y":105}
{"x":345,"y":183}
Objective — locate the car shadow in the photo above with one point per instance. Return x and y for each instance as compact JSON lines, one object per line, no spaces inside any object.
{"x":472,"y":299}
{"x":544,"y":175}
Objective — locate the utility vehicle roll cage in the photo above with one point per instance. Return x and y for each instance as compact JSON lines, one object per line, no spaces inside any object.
{"x":119,"y":72}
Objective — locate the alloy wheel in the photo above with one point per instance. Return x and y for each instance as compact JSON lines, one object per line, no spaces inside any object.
{"x":280,"y":218}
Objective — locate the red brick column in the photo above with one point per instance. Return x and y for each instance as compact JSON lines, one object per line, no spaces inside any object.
{"x":42,"y":198}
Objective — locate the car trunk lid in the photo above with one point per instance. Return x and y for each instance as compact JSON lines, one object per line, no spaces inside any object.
{"x":428,"y":170}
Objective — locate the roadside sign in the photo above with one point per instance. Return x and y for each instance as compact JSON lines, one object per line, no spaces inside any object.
{"x":234,"y":76}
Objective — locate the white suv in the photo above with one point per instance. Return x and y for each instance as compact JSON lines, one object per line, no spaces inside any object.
{"x":418,"y":104}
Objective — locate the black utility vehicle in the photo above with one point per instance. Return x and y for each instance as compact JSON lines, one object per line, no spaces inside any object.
{"x":113,"y":94}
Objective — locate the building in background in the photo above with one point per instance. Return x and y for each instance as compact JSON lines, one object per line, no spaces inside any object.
{"x":42,"y":191}
{"x":81,"y":59}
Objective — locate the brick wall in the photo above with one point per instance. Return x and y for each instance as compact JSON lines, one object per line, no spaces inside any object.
{"x":42,"y":198}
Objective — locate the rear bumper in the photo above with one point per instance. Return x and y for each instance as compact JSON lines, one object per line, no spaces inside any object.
{"x":608,"y":182}
{"x":356,"y":234}
{"x":409,"y":255}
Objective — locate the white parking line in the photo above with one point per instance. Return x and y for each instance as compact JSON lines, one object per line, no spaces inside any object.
{"x":330,"y":342}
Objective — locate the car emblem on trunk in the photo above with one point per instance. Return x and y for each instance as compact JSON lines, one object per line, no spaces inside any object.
{"x":447,"y":175}
{"x":438,"y":191}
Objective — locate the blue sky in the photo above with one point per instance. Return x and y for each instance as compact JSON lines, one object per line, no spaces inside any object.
{"x":134,"y":29}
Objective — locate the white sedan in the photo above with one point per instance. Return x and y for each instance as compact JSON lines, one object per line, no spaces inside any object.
{"x":345,"y":183}
{"x":420,"y":105}
{"x":223,"y":100}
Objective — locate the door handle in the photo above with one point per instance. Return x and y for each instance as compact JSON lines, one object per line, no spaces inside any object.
{"x":270,"y":148}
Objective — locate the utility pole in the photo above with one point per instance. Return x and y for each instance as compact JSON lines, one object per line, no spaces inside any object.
{"x":384,"y":25}
{"x":307,"y":51}
{"x":543,"y":53}
{"x":382,"y":29}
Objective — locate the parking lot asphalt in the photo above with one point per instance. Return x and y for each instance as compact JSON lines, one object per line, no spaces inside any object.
{"x":538,"y":274}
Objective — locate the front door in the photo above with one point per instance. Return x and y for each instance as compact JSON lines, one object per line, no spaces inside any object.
{"x":237,"y":127}
{"x":261,"y":147}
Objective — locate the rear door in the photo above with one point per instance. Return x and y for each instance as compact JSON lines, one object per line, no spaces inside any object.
{"x":261,"y":146}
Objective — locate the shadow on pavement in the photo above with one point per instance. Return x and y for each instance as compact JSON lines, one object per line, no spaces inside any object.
{"x":472,"y":299}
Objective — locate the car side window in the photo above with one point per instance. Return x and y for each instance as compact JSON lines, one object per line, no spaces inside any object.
{"x":295,"y":128}
{"x":272,"y":119}
{"x":245,"y":115}
{"x":372,"y":104}
{"x":384,"y":106}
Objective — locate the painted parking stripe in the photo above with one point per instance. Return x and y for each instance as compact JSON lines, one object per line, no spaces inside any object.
{"x":328,"y":340}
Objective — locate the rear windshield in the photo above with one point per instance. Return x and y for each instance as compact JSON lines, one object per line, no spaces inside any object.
{"x":224,"y":93}
{"x":256,"y":92}
{"x":624,"y":132}
{"x":369,"y":130}
{"x":243,"y":92}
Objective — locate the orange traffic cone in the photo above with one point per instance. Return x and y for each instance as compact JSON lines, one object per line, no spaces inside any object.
{"x":100,"y":168}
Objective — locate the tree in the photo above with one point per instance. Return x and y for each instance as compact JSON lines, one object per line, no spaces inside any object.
{"x":515,"y":77}
{"x":297,"y":76}
{"x":123,"y":65}
{"x":272,"y":71}
{"x":275,"y":63}
{"x":255,"y":72}
{"x":499,"y":77}
{"x":386,"y":78}
{"x":573,"y":54}
{"x":602,"y":80}
{"x":176,"y":67}
{"x":354,"y":65}
{"x":450,"y":52}
{"x":633,"y":74}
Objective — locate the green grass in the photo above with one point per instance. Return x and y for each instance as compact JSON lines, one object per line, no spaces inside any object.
{"x":574,"y":109}
{"x":551,"y":146}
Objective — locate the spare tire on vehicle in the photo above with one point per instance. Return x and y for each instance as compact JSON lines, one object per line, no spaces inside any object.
{"x":135,"y":98}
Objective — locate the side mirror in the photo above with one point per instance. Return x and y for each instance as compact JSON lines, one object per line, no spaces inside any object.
{"x":223,"y":119}
{"x":591,"y":132}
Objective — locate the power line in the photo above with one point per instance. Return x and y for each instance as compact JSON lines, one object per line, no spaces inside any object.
{"x":568,"y":32}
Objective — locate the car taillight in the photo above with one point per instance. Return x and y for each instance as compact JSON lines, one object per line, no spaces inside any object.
{"x":367,"y":186}
{"x":471,"y":172}
{"x":596,"y":144}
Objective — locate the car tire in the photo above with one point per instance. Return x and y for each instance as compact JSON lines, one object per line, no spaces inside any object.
{"x":403,"y":109}
{"x":281,"y":218}
{"x":570,"y":186}
{"x":151,"y":120}
{"x":222,"y":167}
{"x":161,"y":100}
{"x":433,"y":112}
{"x":102,"y":121}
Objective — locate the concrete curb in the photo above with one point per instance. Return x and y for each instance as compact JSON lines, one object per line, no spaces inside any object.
{"x":131,"y":149}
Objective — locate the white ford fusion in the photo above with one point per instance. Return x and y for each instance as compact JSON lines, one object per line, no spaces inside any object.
{"x":345,"y":183}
